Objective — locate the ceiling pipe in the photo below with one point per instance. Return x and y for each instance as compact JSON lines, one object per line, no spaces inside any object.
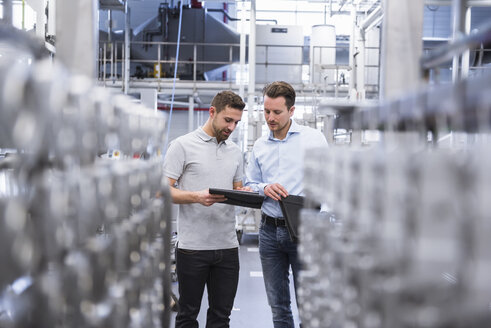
{"x":376,"y":14}
{"x":458,"y":31}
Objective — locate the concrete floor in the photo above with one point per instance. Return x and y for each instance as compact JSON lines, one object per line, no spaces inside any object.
{"x":251,"y":309}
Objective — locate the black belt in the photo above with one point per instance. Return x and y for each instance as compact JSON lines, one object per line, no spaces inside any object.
{"x":277,"y":222}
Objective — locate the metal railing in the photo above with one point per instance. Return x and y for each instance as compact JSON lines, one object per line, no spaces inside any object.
{"x":111,"y":64}
{"x":464,"y":45}
{"x":437,"y":71}
{"x":112,"y":54}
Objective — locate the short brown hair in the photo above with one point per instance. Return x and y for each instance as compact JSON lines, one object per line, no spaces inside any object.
{"x":281,"y":89}
{"x":227,"y":98}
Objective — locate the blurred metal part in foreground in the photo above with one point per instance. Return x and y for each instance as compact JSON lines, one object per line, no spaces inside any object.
{"x":84,"y":242}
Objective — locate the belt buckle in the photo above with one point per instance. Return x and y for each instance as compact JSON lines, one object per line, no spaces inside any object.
{"x":277,"y":222}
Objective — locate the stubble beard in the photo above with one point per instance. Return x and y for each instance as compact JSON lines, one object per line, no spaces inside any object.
{"x":219,"y":135}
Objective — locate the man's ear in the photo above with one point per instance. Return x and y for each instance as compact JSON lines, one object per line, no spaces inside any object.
{"x":292,"y":109}
{"x":212,"y":111}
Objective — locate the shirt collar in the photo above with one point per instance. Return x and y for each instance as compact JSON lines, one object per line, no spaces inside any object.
{"x":294,"y":128}
{"x":206,"y":137}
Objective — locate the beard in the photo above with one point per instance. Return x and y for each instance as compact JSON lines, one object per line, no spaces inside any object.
{"x":277,"y":126}
{"x":220,"y":134}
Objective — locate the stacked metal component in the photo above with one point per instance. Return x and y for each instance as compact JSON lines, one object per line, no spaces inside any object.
{"x":410,"y":245}
{"x":84,"y":239}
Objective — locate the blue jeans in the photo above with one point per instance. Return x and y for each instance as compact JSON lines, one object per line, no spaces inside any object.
{"x":219,"y":271}
{"x":278,"y":253}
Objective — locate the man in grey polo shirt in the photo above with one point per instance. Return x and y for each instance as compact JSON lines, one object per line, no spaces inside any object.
{"x":207,"y":251}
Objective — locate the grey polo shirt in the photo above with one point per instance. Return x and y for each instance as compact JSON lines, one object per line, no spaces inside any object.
{"x":198,"y":162}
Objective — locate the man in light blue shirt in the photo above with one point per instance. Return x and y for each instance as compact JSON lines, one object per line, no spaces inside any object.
{"x":275,"y":170}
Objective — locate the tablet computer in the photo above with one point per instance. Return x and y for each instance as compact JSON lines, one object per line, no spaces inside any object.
{"x":291,"y":206}
{"x":240,"y":197}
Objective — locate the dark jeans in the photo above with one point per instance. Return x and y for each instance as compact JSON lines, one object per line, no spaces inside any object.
{"x":278,"y":253}
{"x":219,"y":271}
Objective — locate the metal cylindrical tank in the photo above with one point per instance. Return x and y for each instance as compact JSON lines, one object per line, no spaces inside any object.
{"x":323,"y":54}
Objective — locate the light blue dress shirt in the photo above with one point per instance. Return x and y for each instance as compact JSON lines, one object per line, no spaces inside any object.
{"x":281,"y":161}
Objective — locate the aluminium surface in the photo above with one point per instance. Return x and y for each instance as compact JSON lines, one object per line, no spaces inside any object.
{"x":346,"y":111}
{"x":461,"y":105}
